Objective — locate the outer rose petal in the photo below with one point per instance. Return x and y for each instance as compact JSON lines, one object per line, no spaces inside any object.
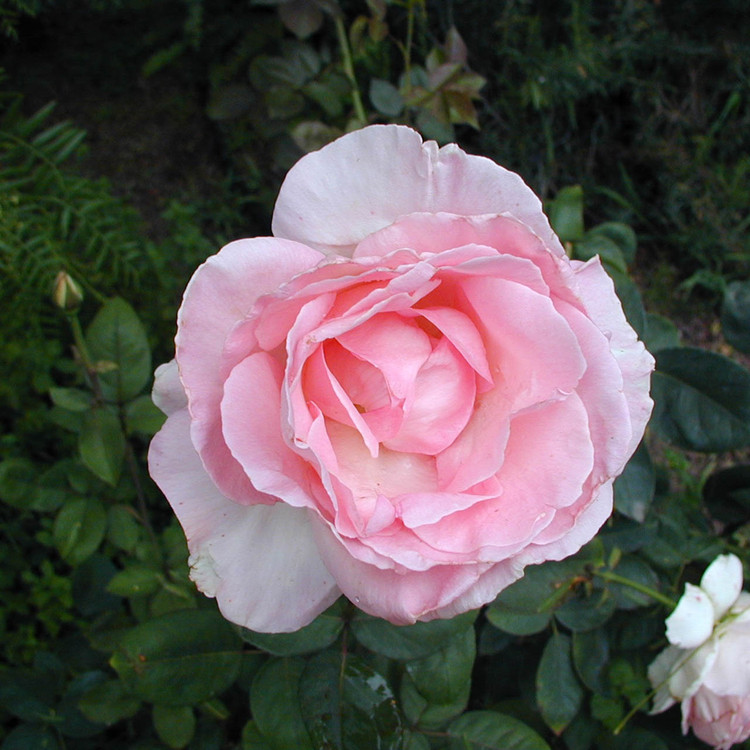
{"x":220,"y":294}
{"x":721,"y":721}
{"x":722,"y":581}
{"x":605,"y":310}
{"x":400,"y":598}
{"x":730,"y":673}
{"x":659,"y":672}
{"x":168,"y":393}
{"x":335,"y":197}
{"x":260,"y":562}
{"x":692,"y":621}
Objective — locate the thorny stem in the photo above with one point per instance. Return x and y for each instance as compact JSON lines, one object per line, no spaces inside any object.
{"x":647,"y":590}
{"x":346,"y":54}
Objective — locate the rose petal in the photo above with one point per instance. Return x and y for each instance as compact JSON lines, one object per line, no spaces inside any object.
{"x":659,"y":672}
{"x":250,"y":412}
{"x":722,"y":581}
{"x":692,"y":621}
{"x":730,"y":673}
{"x":335,"y":197}
{"x":400,"y":598}
{"x":547,"y":461}
{"x":255,"y":560}
{"x":444,"y":393}
{"x":168,"y":393}
{"x":636,"y":364}
{"x":692,"y":669}
{"x":222,"y":291}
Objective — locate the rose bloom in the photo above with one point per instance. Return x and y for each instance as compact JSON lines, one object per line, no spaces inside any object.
{"x":707,"y":665}
{"x":407,"y":394}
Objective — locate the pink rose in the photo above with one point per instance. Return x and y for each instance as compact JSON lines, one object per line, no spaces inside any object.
{"x":407,"y":395}
{"x":707,"y":665}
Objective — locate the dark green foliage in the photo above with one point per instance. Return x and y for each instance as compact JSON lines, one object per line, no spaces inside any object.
{"x":638,"y":111}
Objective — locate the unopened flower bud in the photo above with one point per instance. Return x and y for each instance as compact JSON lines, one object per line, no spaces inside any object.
{"x":66,"y":293}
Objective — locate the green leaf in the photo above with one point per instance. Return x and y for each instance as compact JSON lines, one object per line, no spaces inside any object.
{"x":179,"y":658}
{"x":122,"y":528}
{"x":135,"y":580}
{"x":70,"y":721}
{"x":143,"y":416}
{"x":27,"y":694}
{"x":408,"y":641}
{"x":566,"y":213}
{"x":436,"y":689}
{"x":275,"y":704}
{"x":735,"y":315}
{"x":31,"y":737}
{"x":230,"y":102}
{"x":487,"y":730}
{"x":641,"y":738}
{"x":319,"y":634}
{"x":79,"y":528}
{"x":598,"y":244}
{"x":634,"y":569}
{"x":660,"y":333}
{"x":586,"y":610}
{"x":590,"y":657}
{"x":102,"y":444}
{"x":635,"y":487}
{"x":117,"y":335}
{"x":621,"y":234}
{"x":107,"y":703}
{"x":347,"y":704}
{"x":175,"y":725}
{"x":630,"y":297}
{"x":386,"y":98}
{"x":526,"y":606}
{"x":72,"y":399}
{"x":702,"y":400}
{"x":558,"y":693}
{"x":415,"y":741}
{"x":252,"y":739}
{"x":17,"y":482}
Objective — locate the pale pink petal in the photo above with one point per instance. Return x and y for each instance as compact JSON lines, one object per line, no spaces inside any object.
{"x":547,"y":461}
{"x":534,"y":357}
{"x":602,"y":391}
{"x":477,"y":453}
{"x":460,"y":330}
{"x":659,"y":672}
{"x":168,"y":394}
{"x":730,"y":673}
{"x":692,"y":669}
{"x":260,"y":562}
{"x":577,"y":524}
{"x":533,"y":353}
{"x":692,"y":621}
{"x":397,"y":347}
{"x":251,"y":413}
{"x":722,"y":581}
{"x":399,"y":597}
{"x":444,"y":393}
{"x":221,"y":293}
{"x":603,"y":307}
{"x":390,"y":473}
{"x":364,"y":181}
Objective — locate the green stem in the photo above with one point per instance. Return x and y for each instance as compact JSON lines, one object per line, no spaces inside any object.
{"x":346,"y":54}
{"x":647,"y":590}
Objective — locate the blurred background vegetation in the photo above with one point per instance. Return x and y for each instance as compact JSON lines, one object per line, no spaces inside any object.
{"x":138,"y":136}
